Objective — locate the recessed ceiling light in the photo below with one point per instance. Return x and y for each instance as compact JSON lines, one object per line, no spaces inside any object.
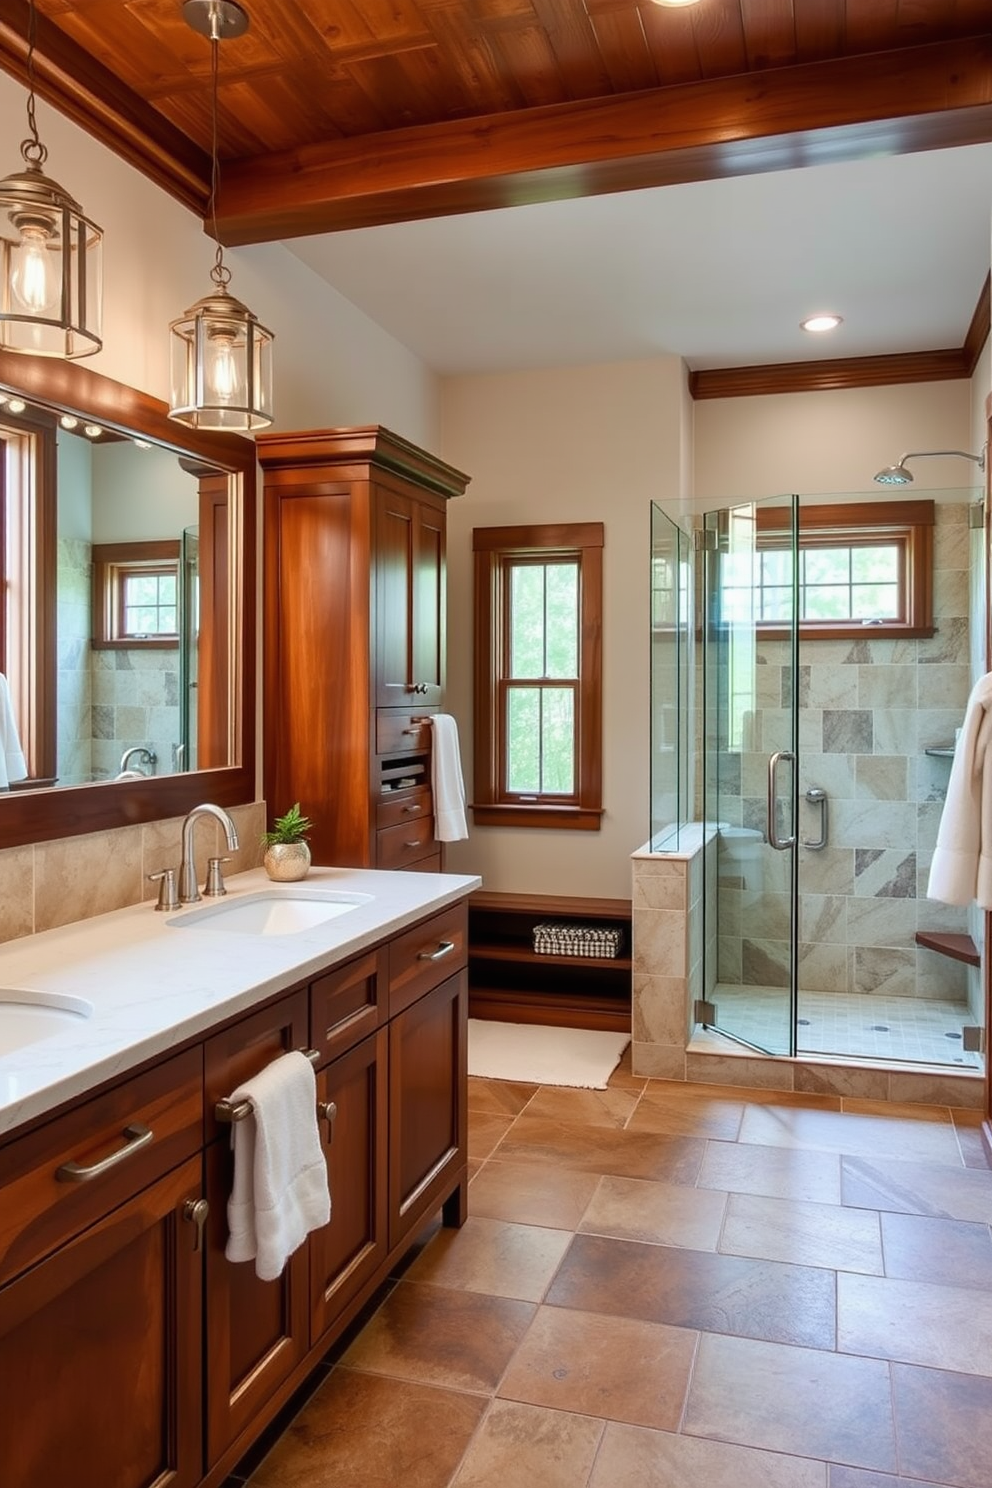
{"x":16,"y":405}
{"x":821,"y":322}
{"x":92,"y":431}
{"x":68,"y":421}
{"x":142,"y":444}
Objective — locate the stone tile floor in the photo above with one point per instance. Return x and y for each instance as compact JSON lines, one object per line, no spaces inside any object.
{"x":671,"y":1286}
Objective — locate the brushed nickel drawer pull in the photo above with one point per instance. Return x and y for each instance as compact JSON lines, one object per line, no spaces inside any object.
{"x":138,"y":1136}
{"x":412,"y":810}
{"x":415,"y":843}
{"x":227,"y":1111}
{"x":444,"y":948}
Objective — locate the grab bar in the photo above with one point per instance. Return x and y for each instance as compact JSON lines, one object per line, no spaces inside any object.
{"x":774,"y":840}
{"x":227,"y":1111}
{"x":817,"y":796}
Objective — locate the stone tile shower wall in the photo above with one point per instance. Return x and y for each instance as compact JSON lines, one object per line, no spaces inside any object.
{"x":75,"y":621}
{"x":869,"y":709}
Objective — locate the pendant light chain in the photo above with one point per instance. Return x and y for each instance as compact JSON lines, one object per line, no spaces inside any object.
{"x":220,"y":273}
{"x":33,"y":152}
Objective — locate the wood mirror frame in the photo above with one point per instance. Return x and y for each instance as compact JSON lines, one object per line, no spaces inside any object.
{"x":41,"y":815}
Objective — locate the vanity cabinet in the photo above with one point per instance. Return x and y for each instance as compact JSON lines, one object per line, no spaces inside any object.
{"x":101,"y":1338}
{"x":354,"y":644}
{"x":132,"y":1351}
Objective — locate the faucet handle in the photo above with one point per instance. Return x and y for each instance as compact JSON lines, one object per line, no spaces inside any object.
{"x":214,"y":885}
{"x":167,"y":896}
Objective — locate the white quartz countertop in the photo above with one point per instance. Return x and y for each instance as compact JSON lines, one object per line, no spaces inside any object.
{"x":154,"y":984}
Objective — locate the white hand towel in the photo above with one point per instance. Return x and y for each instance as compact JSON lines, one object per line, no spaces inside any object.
{"x":280,"y":1190}
{"x":961,"y":869}
{"x":12,"y":763}
{"x":447,"y":782}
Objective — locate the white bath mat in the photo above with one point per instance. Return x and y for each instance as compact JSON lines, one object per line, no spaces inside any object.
{"x":536,"y":1055}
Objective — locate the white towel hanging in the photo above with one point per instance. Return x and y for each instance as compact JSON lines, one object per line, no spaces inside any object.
{"x":280,"y":1190}
{"x":12,"y":763}
{"x":961,"y":870}
{"x":446,"y":780}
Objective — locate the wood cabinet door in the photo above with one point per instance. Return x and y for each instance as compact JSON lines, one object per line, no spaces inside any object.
{"x":427,"y":1101}
{"x":257,"y":1331}
{"x":100,"y":1351}
{"x":346,"y":1252}
{"x":410,"y":597}
{"x":429,"y":599}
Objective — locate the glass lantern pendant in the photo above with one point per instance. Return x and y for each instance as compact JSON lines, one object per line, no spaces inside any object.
{"x":221,"y":363}
{"x":51,"y":260}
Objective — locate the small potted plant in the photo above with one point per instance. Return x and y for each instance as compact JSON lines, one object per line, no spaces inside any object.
{"x":287,"y":854}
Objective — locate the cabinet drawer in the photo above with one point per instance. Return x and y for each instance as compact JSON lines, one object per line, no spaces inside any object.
{"x":45,"y":1198}
{"x":404,"y":806}
{"x":344,"y":1004}
{"x":426,"y":955}
{"x":403,"y":731}
{"x":397,"y":846}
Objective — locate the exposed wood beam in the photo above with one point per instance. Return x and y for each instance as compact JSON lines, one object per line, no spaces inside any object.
{"x":895,"y":102}
{"x":85,"y":91}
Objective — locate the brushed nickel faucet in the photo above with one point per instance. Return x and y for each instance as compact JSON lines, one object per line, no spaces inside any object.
{"x":188,"y":891}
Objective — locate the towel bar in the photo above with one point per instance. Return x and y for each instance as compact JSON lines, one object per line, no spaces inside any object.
{"x":228,"y":1111}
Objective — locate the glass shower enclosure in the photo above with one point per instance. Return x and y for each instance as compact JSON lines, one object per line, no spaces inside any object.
{"x":816,"y":770}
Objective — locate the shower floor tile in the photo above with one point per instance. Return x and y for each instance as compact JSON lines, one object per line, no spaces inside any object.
{"x":909,"y":1030}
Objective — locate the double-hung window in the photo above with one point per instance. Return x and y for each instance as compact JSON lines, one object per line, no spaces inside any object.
{"x":538,"y":682}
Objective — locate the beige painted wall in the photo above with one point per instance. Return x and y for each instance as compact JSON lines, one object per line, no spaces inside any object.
{"x":570,"y":445}
{"x":821,"y":443}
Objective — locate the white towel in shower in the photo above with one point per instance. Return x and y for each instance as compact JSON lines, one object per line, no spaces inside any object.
{"x":280,"y":1190}
{"x":12,"y":763}
{"x":446,"y":779}
{"x":961,"y":871}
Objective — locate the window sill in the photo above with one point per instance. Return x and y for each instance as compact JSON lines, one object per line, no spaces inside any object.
{"x":133,"y":643}
{"x":564,"y":818}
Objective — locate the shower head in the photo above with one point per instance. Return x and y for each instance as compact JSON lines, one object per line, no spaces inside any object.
{"x":898,"y":475}
{"x":895,"y":475}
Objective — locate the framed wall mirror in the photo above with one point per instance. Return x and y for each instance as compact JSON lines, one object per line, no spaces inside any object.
{"x":127,"y":622}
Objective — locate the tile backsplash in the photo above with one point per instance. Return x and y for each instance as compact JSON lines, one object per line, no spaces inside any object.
{"x":73,"y":878}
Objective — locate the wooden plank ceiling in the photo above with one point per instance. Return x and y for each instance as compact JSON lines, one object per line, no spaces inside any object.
{"x":344,"y":113}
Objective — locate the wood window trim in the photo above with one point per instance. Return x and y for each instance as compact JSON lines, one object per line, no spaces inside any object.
{"x":492,"y":548}
{"x":108,"y":559}
{"x":909,"y":523}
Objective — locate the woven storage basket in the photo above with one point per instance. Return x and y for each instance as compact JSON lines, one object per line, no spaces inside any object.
{"x":557,"y":939}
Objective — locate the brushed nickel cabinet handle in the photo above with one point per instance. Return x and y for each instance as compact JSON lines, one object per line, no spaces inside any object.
{"x":195,"y":1212}
{"x":412,"y":810}
{"x":138,"y":1136}
{"x":444,"y":948}
{"x":328,"y":1111}
{"x":415,"y":843}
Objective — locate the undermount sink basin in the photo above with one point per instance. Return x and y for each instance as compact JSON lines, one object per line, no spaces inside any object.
{"x":274,"y":912}
{"x":28,"y":1016}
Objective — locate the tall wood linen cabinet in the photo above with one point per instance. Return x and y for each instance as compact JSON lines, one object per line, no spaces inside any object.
{"x":354,"y":638}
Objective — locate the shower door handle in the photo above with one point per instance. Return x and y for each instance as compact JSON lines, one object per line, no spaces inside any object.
{"x":774,"y":840}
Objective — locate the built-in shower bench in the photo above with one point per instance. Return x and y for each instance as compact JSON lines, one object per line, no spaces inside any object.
{"x":958,"y":947}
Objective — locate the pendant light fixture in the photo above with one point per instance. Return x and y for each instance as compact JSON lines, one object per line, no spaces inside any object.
{"x":221,"y":354}
{"x":51,"y":255}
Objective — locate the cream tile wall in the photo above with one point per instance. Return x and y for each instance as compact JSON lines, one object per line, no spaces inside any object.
{"x":55,"y":883}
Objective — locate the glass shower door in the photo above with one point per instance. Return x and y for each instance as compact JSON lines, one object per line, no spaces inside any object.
{"x":751,"y":743}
